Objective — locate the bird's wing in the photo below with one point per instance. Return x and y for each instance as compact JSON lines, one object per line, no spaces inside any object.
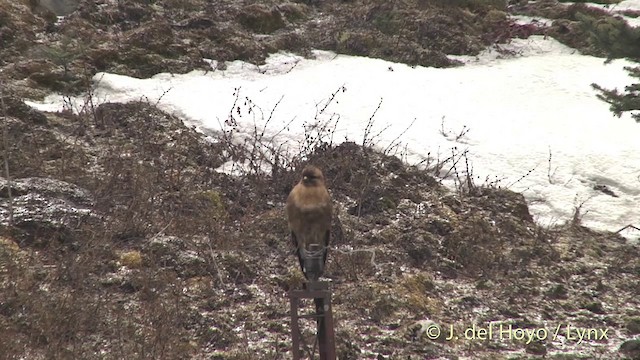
{"x":294,"y":241}
{"x":326,"y":244}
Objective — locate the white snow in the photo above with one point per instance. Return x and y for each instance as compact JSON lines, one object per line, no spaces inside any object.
{"x":619,"y":8}
{"x":622,"y":5}
{"x":532,"y":20}
{"x":627,"y":5}
{"x":523,"y":105}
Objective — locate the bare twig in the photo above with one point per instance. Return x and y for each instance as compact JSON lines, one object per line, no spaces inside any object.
{"x":165,"y":92}
{"x":395,"y":143}
{"x":550,"y":174}
{"x":454,"y":159}
{"x":448,"y":134}
{"x":332,"y":97}
{"x":443,"y":132}
{"x":469,"y":174}
{"x":231,"y":120}
{"x":371,"y":251}
{"x":215,"y":263}
{"x":320,"y":131}
{"x":7,"y":152}
{"x":367,"y":138}
{"x":522,"y":177}
{"x":162,"y":230}
{"x":630,"y":226}
{"x":296,"y":62}
{"x":577,"y":211}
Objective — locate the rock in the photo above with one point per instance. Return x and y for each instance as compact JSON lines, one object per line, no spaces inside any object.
{"x":427,"y":329}
{"x":604,"y":189}
{"x":18,"y":109}
{"x":594,"y":306}
{"x":47,"y":187}
{"x":44,"y":208}
{"x":633,"y":325}
{"x":631,"y":349}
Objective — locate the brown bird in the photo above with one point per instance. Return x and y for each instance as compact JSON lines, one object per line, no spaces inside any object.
{"x":309,"y":216}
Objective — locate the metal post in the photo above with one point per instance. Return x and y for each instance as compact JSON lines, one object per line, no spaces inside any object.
{"x":295,"y":328}
{"x":321,"y":294}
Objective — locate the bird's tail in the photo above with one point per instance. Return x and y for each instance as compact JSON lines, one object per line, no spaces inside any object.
{"x":313,"y":258}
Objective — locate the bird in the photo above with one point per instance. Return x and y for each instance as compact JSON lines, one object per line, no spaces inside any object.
{"x":308,"y":213}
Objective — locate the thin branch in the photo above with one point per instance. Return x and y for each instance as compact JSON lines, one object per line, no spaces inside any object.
{"x":550,"y":173}
{"x":396,"y":142}
{"x":215,"y":263}
{"x":630,"y":226}
{"x":367,"y":139}
{"x":5,"y":144}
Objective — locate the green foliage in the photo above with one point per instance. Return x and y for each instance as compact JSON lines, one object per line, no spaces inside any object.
{"x":261,"y":19}
{"x":389,"y":23}
{"x":611,"y":35}
{"x":417,"y":293}
{"x":622,"y":102}
{"x":356,"y":43}
{"x":62,"y":54}
{"x":214,"y":204}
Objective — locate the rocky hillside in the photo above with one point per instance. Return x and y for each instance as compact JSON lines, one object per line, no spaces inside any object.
{"x":120,"y":240}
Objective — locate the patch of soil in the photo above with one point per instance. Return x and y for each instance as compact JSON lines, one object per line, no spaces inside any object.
{"x":172,"y":241}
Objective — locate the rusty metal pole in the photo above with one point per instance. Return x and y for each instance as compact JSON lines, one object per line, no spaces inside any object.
{"x":326,"y":336}
{"x":320,"y":331}
{"x":321,"y":294}
{"x":295,"y":328}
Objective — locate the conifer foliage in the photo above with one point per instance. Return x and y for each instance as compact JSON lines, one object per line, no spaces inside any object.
{"x":621,"y":102}
{"x":618,"y":40}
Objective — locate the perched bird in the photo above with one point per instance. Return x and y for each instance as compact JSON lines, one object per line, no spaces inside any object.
{"x":309,"y":216}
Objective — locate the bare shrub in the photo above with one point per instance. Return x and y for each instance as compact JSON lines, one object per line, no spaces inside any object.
{"x":260,"y":153}
{"x":578,"y":212}
{"x":476,"y":246}
{"x":354,"y":264}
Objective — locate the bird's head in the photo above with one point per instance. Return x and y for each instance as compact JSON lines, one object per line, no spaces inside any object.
{"x":312,"y":176}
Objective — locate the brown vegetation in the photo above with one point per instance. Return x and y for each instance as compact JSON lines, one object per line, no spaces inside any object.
{"x":127,"y":243}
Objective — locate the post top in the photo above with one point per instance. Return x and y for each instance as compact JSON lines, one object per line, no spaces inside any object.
{"x":316,"y":285}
